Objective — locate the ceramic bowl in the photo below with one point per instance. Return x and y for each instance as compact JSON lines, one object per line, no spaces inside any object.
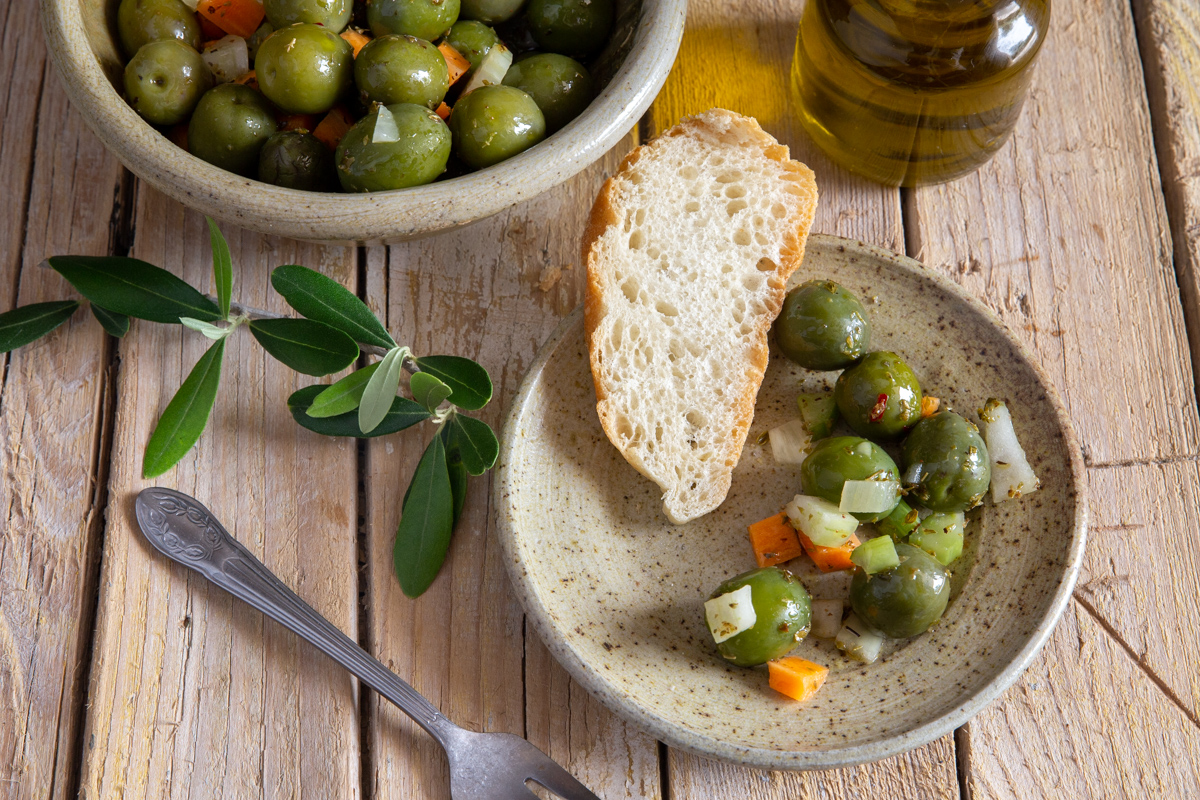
{"x":617,"y":591}
{"x":81,"y":42}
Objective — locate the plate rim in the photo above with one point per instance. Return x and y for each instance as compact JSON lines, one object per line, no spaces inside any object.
{"x":676,"y":735}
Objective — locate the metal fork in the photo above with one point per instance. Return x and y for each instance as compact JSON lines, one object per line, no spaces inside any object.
{"x":483,"y":766}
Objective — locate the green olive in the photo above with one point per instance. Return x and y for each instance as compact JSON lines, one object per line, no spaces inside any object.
{"x":493,"y":123}
{"x":332,"y":14}
{"x":904,"y":600}
{"x":946,"y":464}
{"x":140,"y":22}
{"x":165,"y":81}
{"x":417,"y":157}
{"x":834,"y":461}
{"x":491,"y":11}
{"x":401,"y":69}
{"x":823,"y":326}
{"x":297,"y":160}
{"x":229,"y":127}
{"x":576,"y":28}
{"x":472,"y":40}
{"x":880,"y":396}
{"x":425,"y":19}
{"x":304,"y":68}
{"x":560,"y":86}
{"x":783,"y":611}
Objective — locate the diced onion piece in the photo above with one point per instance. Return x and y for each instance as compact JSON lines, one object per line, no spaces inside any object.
{"x":789,"y":442}
{"x":858,"y":641}
{"x":385,"y":127}
{"x":864,"y":448}
{"x":1011,"y":474}
{"x":491,"y":70}
{"x":821,"y":521}
{"x":227,"y":58}
{"x":826,"y":618}
{"x":730,"y":614}
{"x":191,"y":4}
{"x":869,"y":497}
{"x":876,"y":555}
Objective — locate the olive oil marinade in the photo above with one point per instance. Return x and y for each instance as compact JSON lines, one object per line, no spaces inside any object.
{"x":914,"y":91}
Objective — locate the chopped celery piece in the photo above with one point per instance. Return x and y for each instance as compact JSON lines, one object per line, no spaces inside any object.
{"x":790,"y":442}
{"x":900,"y":523}
{"x":876,"y":555}
{"x":821,"y":521}
{"x":858,"y":641}
{"x":818,"y":412}
{"x":940,"y":535}
{"x":869,"y":496}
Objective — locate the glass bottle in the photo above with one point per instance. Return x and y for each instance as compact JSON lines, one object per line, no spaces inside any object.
{"x":909,"y":92}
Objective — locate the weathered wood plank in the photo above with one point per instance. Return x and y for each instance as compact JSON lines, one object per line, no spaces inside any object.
{"x":492,"y":292}
{"x":1064,"y":234}
{"x":53,"y":406}
{"x":193,"y":694}
{"x":1083,"y":721}
{"x":1169,"y":36}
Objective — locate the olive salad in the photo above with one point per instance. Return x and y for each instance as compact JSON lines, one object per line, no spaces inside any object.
{"x":323,"y":95}
{"x":913,"y":496}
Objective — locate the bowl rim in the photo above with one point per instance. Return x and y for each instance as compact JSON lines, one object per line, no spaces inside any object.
{"x":679,"y":736}
{"x":371,"y":218}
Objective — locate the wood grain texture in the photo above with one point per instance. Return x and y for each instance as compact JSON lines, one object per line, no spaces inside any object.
{"x":194,"y":694}
{"x":1083,"y":721}
{"x":53,"y":404}
{"x":1169,"y":35}
{"x":492,"y":292}
{"x":1065,"y":235}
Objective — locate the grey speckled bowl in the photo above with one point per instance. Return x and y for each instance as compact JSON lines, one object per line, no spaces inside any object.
{"x":79,"y":35}
{"x":617,"y":592}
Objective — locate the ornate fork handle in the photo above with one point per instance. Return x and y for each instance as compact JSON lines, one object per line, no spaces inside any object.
{"x":187,"y":532}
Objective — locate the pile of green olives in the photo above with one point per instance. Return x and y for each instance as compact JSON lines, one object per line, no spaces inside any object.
{"x":365,"y":96}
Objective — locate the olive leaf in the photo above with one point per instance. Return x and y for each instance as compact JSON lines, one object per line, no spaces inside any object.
{"x":381,"y":388}
{"x":186,"y":416}
{"x":304,"y":345}
{"x":470,"y":385}
{"x":325,"y":300}
{"x":116,"y":324}
{"x":476,"y":442}
{"x":426,"y":522}
{"x":134,"y":288}
{"x":428,"y":390}
{"x":214,"y":332}
{"x":222,"y":267}
{"x":344,"y":396}
{"x":454,"y":465}
{"x":25,"y":324}
{"x":403,"y":413}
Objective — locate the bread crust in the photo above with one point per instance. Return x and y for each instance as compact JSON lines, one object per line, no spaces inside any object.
{"x":605,"y":214}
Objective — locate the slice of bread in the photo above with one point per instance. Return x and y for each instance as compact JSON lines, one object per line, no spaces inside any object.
{"x":688,"y":251}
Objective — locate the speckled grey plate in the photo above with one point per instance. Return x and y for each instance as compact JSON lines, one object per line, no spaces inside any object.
{"x":616,"y":591}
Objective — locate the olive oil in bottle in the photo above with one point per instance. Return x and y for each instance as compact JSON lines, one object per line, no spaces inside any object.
{"x":909,"y":92}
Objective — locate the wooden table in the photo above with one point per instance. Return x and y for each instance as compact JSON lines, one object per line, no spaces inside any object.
{"x":122,"y":676}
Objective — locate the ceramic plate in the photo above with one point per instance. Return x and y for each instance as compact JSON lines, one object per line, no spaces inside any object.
{"x":617,"y":591}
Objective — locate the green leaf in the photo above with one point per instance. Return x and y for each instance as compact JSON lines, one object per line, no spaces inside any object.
{"x":325,"y":300}
{"x":305,"y":346}
{"x":476,"y":442}
{"x":343,"y":396}
{"x":458,"y":472}
{"x":186,"y":415}
{"x":116,"y":324}
{"x":426,"y":522}
{"x":470,"y":385}
{"x":214,"y":332}
{"x":134,"y":288}
{"x":404,"y":413}
{"x":381,"y":388}
{"x":428,"y":390}
{"x":25,"y":324}
{"x":222,"y":267}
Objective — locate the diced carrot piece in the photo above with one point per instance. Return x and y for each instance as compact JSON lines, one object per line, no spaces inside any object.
{"x":331,"y":129}
{"x":774,"y":541}
{"x":455,"y":62}
{"x":929,"y":406}
{"x":239,"y":17}
{"x":178,"y":135}
{"x":208,"y":31}
{"x":297,"y":122}
{"x":443,"y":111}
{"x":357,"y":39}
{"x":796,"y":677}
{"x":249,"y":79}
{"x":829,"y":559}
